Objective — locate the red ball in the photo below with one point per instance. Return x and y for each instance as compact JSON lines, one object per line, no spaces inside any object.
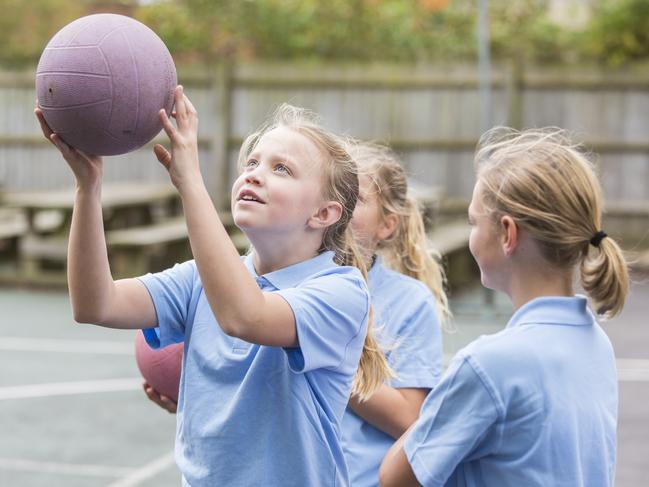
{"x":160,"y":367}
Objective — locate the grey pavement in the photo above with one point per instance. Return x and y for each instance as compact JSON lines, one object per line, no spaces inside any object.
{"x":73,"y":414}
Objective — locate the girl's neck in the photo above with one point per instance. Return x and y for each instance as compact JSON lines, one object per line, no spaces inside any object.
{"x":526,"y":287}
{"x":368,"y":253}
{"x":272,"y":255}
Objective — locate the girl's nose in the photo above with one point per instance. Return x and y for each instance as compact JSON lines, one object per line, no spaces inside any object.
{"x":253,"y":176}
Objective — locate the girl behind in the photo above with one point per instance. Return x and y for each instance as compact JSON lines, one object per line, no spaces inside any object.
{"x":409,"y":303}
{"x":535,"y":404}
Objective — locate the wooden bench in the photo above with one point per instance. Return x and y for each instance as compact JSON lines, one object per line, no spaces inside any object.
{"x":13,"y":224}
{"x":429,"y":199}
{"x":451,"y":240}
{"x":137,"y":250}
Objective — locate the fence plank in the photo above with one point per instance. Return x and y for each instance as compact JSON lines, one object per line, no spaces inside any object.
{"x":429,"y":114}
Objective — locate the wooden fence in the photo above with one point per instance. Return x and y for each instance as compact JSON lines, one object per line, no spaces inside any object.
{"x":429,"y":114}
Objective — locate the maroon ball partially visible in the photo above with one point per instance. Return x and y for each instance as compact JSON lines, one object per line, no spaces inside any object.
{"x":162,"y":367}
{"x":101,"y":82}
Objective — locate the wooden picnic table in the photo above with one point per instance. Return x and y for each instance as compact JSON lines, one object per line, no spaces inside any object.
{"x":124,"y":205}
{"x":135,"y":201}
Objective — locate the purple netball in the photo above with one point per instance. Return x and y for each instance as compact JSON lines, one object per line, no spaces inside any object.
{"x":101,"y":82}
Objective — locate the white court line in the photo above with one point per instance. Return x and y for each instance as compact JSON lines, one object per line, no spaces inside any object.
{"x":632,"y":370}
{"x":69,"y":388}
{"x":146,"y":472}
{"x":17,"y":464}
{"x":20,"y":344}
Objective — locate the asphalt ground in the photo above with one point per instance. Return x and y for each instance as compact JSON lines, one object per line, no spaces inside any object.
{"x":72,"y":412}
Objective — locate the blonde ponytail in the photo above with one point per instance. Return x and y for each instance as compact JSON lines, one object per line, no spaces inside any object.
{"x":604,"y":277}
{"x":408,"y":252}
{"x":549,"y":187}
{"x":373,"y":368}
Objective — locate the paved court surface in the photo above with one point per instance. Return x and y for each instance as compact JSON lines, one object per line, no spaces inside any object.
{"x":72,"y":412}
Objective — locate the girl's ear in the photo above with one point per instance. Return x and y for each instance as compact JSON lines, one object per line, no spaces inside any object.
{"x":388,"y":225}
{"x":510,"y":235}
{"x":327,"y":215}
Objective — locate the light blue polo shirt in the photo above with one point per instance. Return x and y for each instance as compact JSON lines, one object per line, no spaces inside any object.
{"x":405,"y":322}
{"x":253,"y":415}
{"x":532,"y":405}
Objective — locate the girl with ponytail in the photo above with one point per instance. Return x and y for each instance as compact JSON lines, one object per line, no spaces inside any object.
{"x":409,"y":303}
{"x":272,"y":342}
{"x":535,"y":404}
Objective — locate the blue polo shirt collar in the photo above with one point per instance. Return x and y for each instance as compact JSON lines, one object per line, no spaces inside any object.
{"x":553,"y":310}
{"x":292,"y":275}
{"x":377,"y":270}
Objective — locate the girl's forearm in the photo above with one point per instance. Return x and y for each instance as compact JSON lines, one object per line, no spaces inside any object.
{"x":89,"y":278}
{"x":389,"y":409}
{"x":395,"y":469}
{"x":231,"y":291}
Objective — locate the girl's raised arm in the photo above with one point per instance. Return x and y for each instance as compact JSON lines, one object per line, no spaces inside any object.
{"x":240,"y":307}
{"x":95,"y":297}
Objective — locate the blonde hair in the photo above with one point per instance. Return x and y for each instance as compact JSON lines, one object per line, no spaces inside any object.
{"x":340,"y":174}
{"x":407,"y":250}
{"x":548,"y":186}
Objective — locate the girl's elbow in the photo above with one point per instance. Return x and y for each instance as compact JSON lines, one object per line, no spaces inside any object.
{"x":233,"y":328}
{"x":229,"y":329}
{"x":241,"y":327}
{"x":82,"y":316}
{"x":87,"y":315}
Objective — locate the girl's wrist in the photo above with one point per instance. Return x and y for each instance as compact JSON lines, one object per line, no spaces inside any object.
{"x":87,"y":196}
{"x":88,"y":188}
{"x":190,"y":185}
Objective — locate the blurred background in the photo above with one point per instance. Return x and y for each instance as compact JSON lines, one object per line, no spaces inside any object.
{"x":425,"y":76}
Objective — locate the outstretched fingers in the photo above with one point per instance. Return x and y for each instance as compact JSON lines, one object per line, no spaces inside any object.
{"x":185,"y":116}
{"x":184,"y":110}
{"x":168,"y":127}
{"x":49,"y":134}
{"x":189,"y":104}
{"x":179,"y":100}
{"x":45,"y":128}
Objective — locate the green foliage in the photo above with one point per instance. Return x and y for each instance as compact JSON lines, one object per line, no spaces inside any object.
{"x":521,"y":29}
{"x":368,"y":30}
{"x":26,"y":27}
{"x":619,"y":32}
{"x":345,"y":30}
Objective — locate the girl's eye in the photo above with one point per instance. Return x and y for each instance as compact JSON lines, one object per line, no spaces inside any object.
{"x":251,"y":163}
{"x":282,"y":168}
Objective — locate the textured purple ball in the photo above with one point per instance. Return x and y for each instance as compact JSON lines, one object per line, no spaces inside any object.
{"x":101,"y":82}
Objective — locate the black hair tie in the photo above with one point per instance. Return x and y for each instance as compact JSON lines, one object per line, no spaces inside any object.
{"x":597,"y":238}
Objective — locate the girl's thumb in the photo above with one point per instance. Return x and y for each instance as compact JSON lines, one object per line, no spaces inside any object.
{"x":163,"y":155}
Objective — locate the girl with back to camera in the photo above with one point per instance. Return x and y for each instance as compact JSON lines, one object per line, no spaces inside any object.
{"x":408,"y":299}
{"x":535,"y":404}
{"x":272,"y":342}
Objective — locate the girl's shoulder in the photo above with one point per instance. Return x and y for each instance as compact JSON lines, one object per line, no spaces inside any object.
{"x":383,"y":279}
{"x":341,"y":273}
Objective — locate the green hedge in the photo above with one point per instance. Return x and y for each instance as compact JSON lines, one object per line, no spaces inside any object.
{"x":347,"y":30}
